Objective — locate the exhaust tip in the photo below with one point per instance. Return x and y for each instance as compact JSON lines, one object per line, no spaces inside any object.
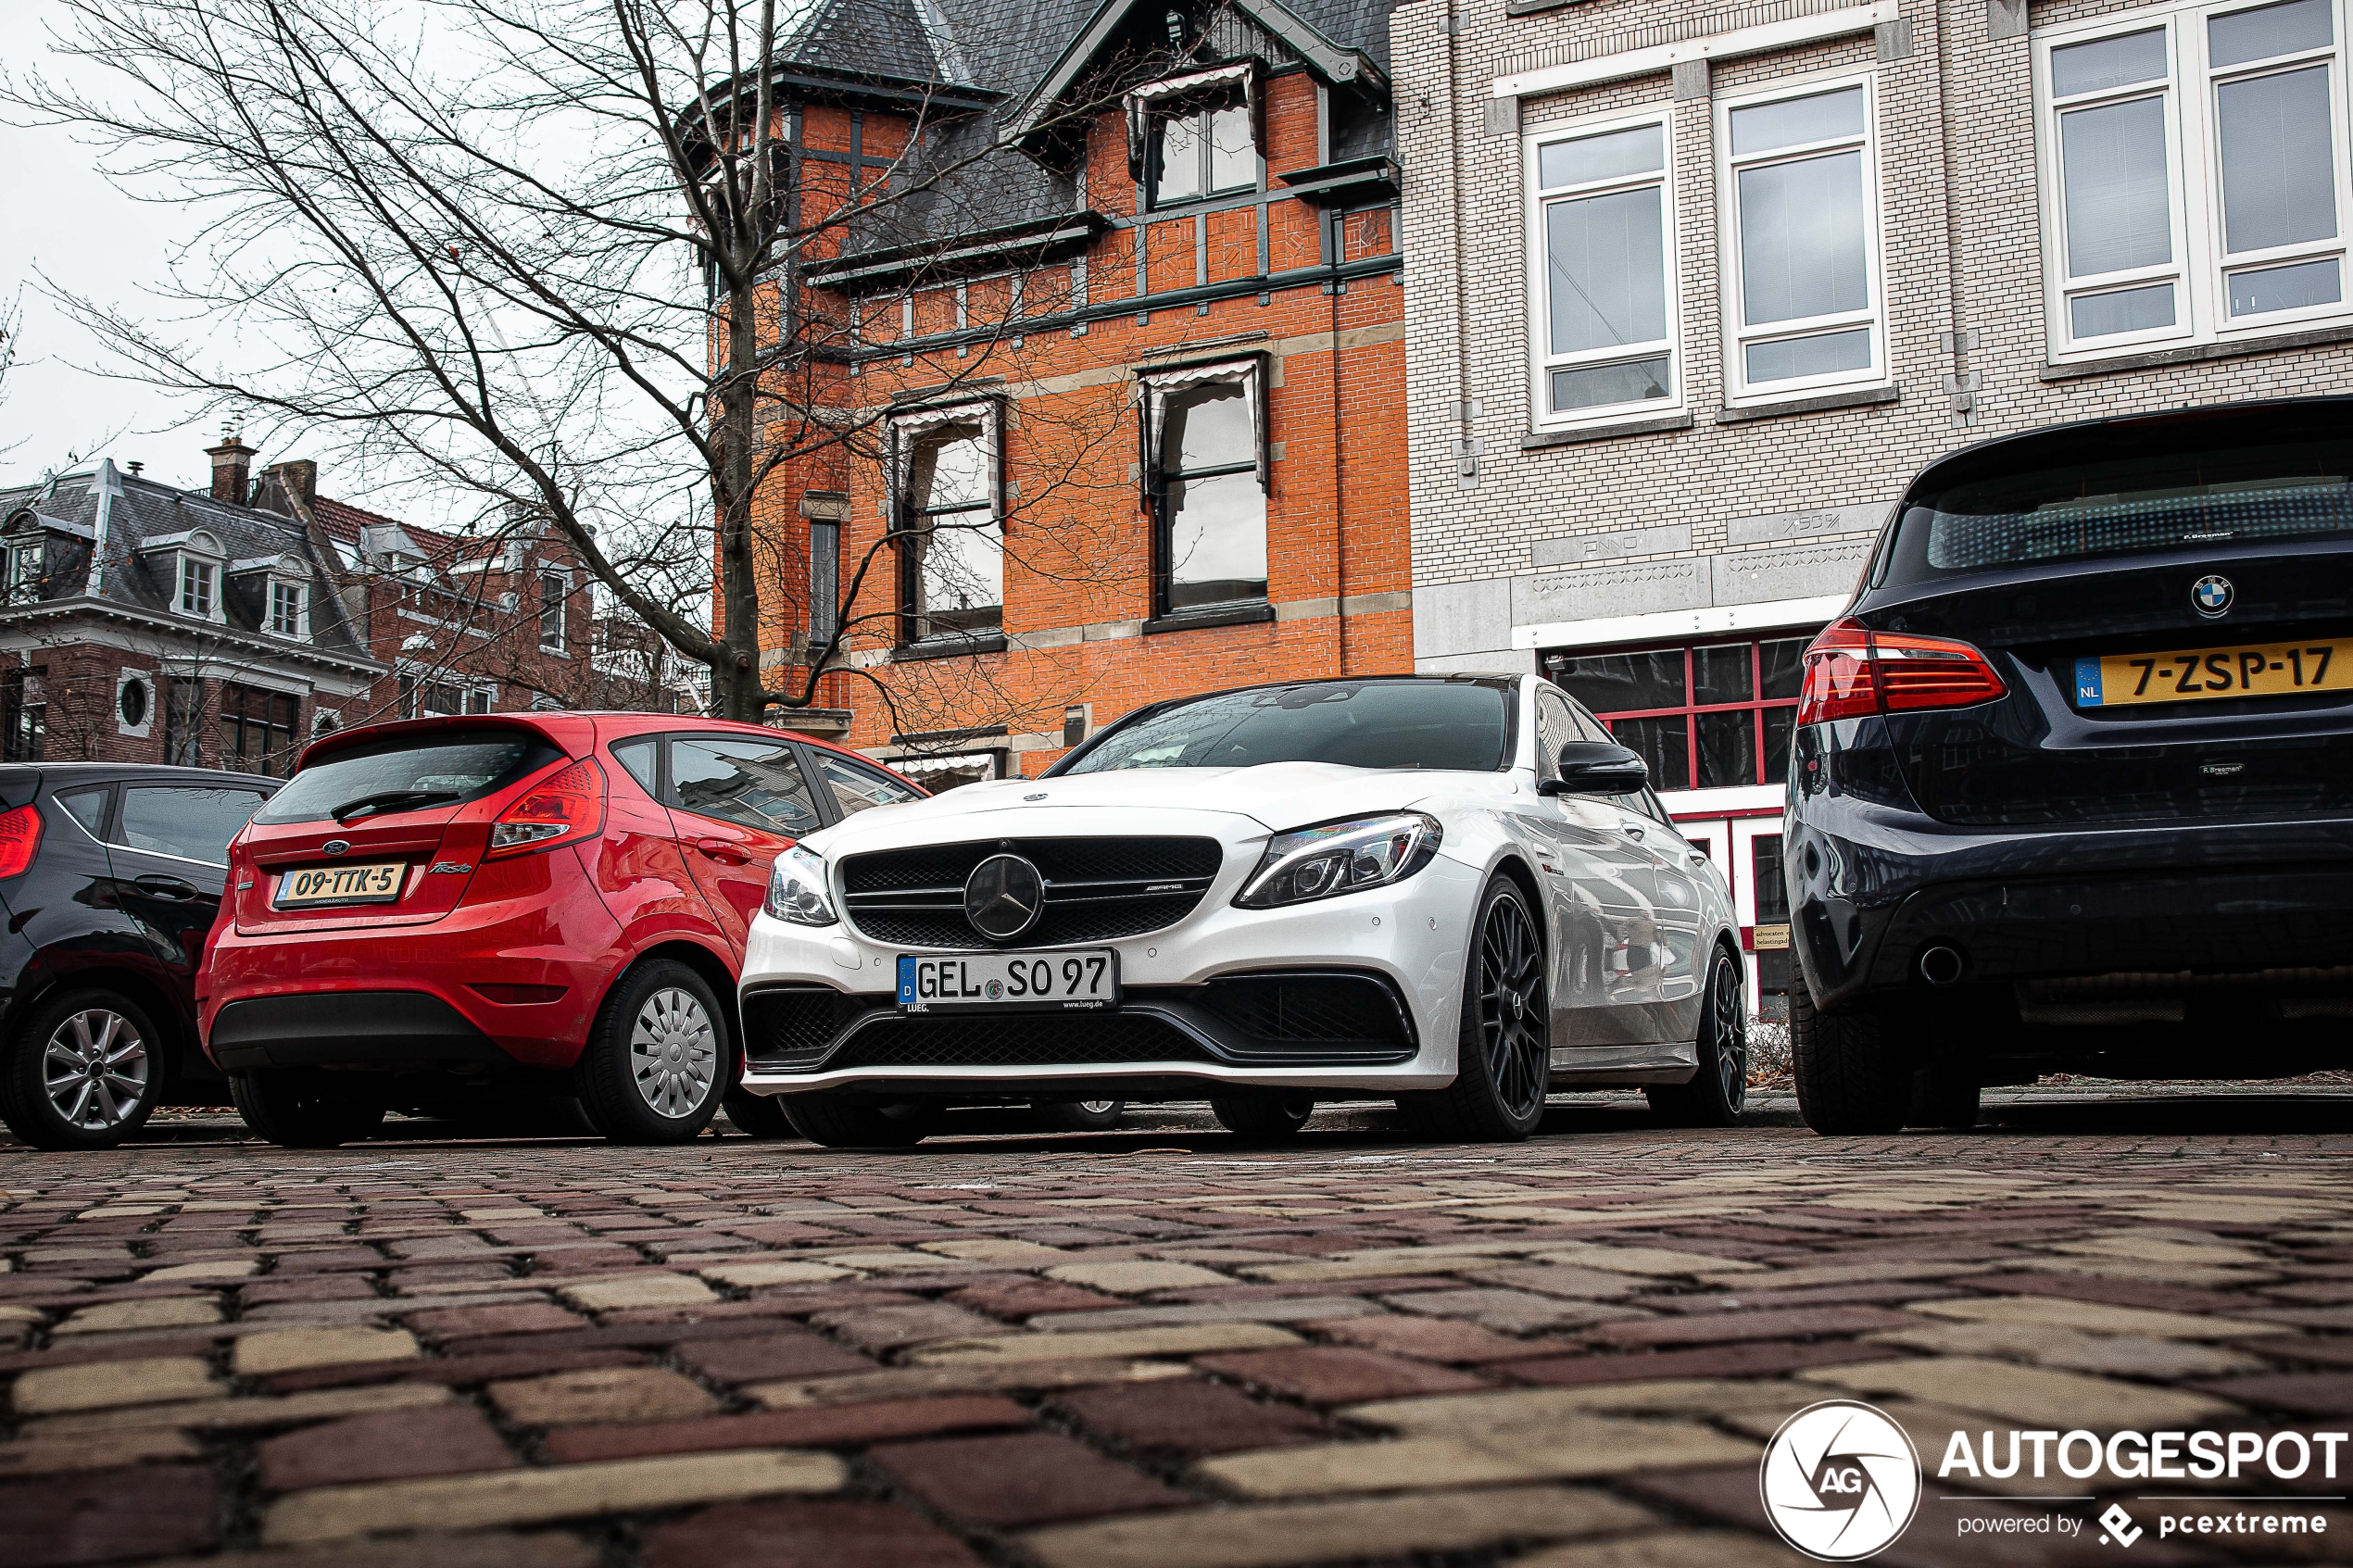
{"x":1942,"y":964}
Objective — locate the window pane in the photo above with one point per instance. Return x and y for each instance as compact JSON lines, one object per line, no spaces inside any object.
{"x":1555,"y":727}
{"x":1726,"y":748}
{"x":2126,"y":310}
{"x":1208,"y":428}
{"x":1598,"y":386}
{"x":960,"y":575}
{"x":756,"y":783}
{"x":950,"y":468}
{"x":2269,"y":29}
{"x":2118,"y":198}
{"x":1642,"y":150}
{"x":2285,"y":288}
{"x":1180,"y":158}
{"x":1618,"y":683}
{"x":1780,"y":724}
{"x":1217,"y":540}
{"x":1795,"y":121}
{"x":2108,"y":63}
{"x":465,"y":765}
{"x":1720,"y":675}
{"x":638,"y":756}
{"x":1772,"y":893}
{"x":89,"y":808}
{"x":1823,"y":355}
{"x":857,"y":789}
{"x":1233,"y":155}
{"x":1801,"y":239}
{"x":825,"y":580}
{"x":1606,"y":270}
{"x":1784,"y":660}
{"x":2278,"y":169}
{"x":1664,"y":746}
{"x":195,"y":824}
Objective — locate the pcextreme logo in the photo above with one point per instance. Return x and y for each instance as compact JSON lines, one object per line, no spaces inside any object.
{"x":1840,"y":1480}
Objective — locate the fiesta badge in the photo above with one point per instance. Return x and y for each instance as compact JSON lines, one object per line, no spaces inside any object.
{"x":2212,"y":596}
{"x":1841,"y":1481}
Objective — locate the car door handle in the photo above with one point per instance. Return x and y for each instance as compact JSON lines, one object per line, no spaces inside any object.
{"x":168,"y":887}
{"x":719,"y":849}
{"x":1630,"y":830}
{"x":1696,"y":858}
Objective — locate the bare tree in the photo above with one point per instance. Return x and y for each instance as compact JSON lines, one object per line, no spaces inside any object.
{"x":547,"y":252}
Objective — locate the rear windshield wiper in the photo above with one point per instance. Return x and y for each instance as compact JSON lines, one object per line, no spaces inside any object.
{"x":385,"y":800}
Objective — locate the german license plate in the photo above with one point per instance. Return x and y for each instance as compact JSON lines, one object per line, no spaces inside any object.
{"x":1085,"y":978}
{"x":2117,"y":680}
{"x":315,"y":885}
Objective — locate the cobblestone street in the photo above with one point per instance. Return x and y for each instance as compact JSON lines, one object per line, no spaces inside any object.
{"x":1160,"y":1348}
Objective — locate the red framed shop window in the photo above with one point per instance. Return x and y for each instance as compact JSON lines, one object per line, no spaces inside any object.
{"x":1704,"y":715}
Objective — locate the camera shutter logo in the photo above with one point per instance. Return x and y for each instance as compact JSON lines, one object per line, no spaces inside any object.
{"x":1841,"y":1481}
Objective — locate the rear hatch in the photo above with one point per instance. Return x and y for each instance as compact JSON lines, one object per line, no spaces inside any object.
{"x":2169,"y":603}
{"x":382,"y":830}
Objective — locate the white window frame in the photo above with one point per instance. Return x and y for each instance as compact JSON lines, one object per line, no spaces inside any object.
{"x":301,"y":593}
{"x":27,"y":565}
{"x":903,"y":431}
{"x":2194,"y":161}
{"x":1534,"y":199}
{"x":1738,"y":338}
{"x":188,"y":564}
{"x":564,"y":601}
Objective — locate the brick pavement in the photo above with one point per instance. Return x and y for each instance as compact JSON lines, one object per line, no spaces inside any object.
{"x":1171,"y":1353}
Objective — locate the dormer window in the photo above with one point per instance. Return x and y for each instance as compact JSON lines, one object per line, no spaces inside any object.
{"x":289,"y":609}
{"x":199,"y":586}
{"x":190,"y":565}
{"x":1195,"y":136}
{"x":27,"y":565}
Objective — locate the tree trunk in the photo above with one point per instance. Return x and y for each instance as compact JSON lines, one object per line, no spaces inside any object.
{"x":735,"y":684}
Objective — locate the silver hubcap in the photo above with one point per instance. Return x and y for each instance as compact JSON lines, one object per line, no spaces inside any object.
{"x":673,"y":1054}
{"x":95,"y":1070}
{"x":1097,"y":1107}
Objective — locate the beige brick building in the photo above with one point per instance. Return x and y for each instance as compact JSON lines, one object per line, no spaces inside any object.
{"x":1693,"y":289}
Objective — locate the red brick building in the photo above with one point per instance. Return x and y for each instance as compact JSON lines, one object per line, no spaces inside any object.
{"x":1121,"y":344}
{"x":226,"y":628}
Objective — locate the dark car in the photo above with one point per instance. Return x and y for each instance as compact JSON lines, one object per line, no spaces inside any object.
{"x":111,"y":877}
{"x":2072,"y":781}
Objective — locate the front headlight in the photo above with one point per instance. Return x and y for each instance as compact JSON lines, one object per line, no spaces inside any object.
{"x":1340,"y":858}
{"x":797,"y":889}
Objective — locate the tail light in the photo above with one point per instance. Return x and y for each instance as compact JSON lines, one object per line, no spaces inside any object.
{"x":19,"y":840}
{"x":562,"y":808}
{"x":1854,"y":672}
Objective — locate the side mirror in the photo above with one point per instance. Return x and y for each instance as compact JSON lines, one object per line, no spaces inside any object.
{"x":1596,"y":767}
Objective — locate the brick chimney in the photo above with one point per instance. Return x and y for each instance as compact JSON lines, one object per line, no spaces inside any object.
{"x":231,"y":468}
{"x":299,"y":478}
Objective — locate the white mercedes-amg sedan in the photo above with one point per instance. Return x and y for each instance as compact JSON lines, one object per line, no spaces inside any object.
{"x":1454,"y":892}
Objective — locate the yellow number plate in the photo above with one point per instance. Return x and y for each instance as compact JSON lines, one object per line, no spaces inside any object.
{"x":313,"y":885}
{"x":2321,"y":664}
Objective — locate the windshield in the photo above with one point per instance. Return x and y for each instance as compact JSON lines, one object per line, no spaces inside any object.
{"x":2182,"y":499}
{"x":1455,"y":724}
{"x":441,"y":768}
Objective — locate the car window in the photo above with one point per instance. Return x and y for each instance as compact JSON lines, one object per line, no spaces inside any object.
{"x":755,"y":784}
{"x":1373,"y":723}
{"x":191,"y":822}
{"x":857,"y":789}
{"x":88,"y":806}
{"x":1555,"y":727}
{"x":411,"y":771}
{"x":641,"y":758}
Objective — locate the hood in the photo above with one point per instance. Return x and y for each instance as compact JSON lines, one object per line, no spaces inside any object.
{"x":1275,"y":795}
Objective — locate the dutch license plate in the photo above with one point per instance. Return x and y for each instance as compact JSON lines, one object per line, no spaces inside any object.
{"x":1085,"y":978}
{"x":2322,"y":664}
{"x":316,"y":885}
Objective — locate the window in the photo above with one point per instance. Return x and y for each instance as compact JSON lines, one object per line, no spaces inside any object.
{"x":1555,"y":727}
{"x":859,"y":789}
{"x":183,"y":713}
{"x":1201,"y":150}
{"x":289,"y":609}
{"x":1205,"y":430}
{"x":184,"y":822}
{"x":825,"y":581}
{"x":757,"y":784}
{"x":198,"y":586}
{"x":553,"y":589}
{"x":424,"y":697}
{"x":24,"y":714}
{"x":1601,"y":204}
{"x":642,"y":757}
{"x":27,"y":565}
{"x":257,"y":730}
{"x":2195,"y":173}
{"x":88,"y":806}
{"x":952,"y":541}
{"x":941,"y":775}
{"x":1706,"y":716}
{"x":1801,"y":240}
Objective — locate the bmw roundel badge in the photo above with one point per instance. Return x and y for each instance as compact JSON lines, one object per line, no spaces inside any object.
{"x":2212,"y":596}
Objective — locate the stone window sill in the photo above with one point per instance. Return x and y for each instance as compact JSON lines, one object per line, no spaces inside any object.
{"x":1194,"y":621}
{"x":2154,"y":359}
{"x":1861,"y":397}
{"x":945,"y":648}
{"x":1537,"y":440}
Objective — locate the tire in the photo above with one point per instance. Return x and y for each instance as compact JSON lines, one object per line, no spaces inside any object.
{"x":657,"y":1059}
{"x":1082,"y":1115}
{"x":837,"y":1121}
{"x":304,"y":1108}
{"x":84,"y":1071}
{"x":1265,"y":1117}
{"x":1849,"y":1078}
{"x":759,"y":1116}
{"x":1942,"y":1097}
{"x":1503,"y":1058}
{"x":1717,"y":1093}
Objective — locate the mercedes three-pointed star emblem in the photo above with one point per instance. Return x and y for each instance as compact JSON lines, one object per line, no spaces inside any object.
{"x":1004,"y":897}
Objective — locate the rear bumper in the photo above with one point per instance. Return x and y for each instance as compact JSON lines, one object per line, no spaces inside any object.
{"x":348,"y":1029}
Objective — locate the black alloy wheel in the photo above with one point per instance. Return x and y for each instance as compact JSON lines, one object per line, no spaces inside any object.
{"x":1504,"y":1059}
{"x":1717,"y":1093}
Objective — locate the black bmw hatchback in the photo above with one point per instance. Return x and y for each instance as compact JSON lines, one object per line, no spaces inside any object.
{"x":2072,"y":782}
{"x":110,"y":879}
